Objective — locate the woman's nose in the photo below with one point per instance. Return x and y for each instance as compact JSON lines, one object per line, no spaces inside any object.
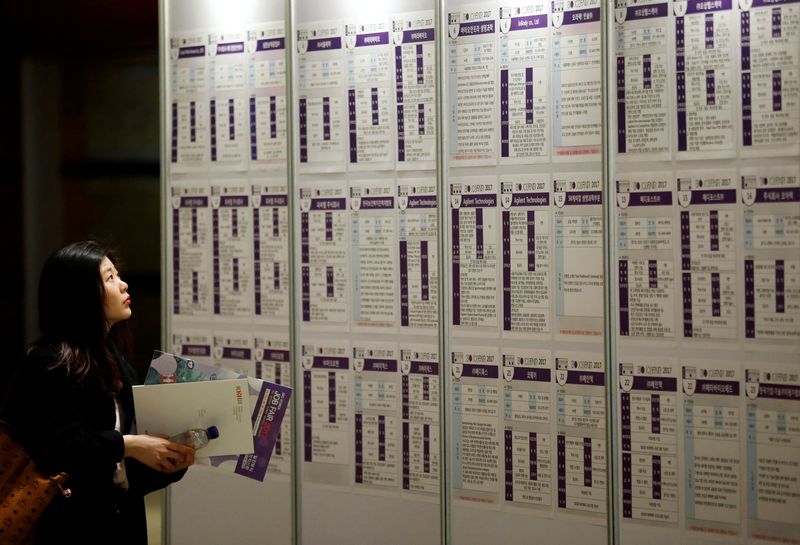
{"x":123,"y":286}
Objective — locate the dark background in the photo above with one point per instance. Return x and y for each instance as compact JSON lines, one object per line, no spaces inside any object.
{"x":79,"y":153}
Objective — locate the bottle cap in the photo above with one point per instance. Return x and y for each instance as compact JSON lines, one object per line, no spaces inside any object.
{"x":212,"y":432}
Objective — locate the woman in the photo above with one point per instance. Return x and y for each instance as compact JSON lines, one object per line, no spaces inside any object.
{"x":71,"y":405}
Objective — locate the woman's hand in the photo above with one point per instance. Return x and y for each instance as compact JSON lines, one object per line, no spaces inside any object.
{"x":159,"y":452}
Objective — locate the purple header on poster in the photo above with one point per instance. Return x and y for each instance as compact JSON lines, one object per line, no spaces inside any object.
{"x":374,"y":38}
{"x":236,"y":353}
{"x":377,"y":203}
{"x":768,"y":3}
{"x":528,"y":22}
{"x":651,"y":198}
{"x":271,"y":43}
{"x":536,"y":374}
{"x":425,"y":367}
{"x":636,"y":13}
{"x":472,"y":370}
{"x":714,"y":196}
{"x":656,"y":384}
{"x":191,"y":52}
{"x":478,"y":201}
{"x":325,"y":44}
{"x":380,"y":365}
{"x":584,"y":197}
{"x":422,"y":202}
{"x":232,"y":201}
{"x":788,"y":194}
{"x":230,"y":47}
{"x":587,"y":378}
{"x":329,"y":204}
{"x":194,"y":202}
{"x":717,"y":387}
{"x":195,"y":350}
{"x":419,"y":35}
{"x":274,"y":200}
{"x":779,"y":391}
{"x":591,"y":15}
{"x":530,"y":199}
{"x":276,"y":355}
{"x":331,"y":362}
{"x":704,"y":6}
{"x":475,"y":28}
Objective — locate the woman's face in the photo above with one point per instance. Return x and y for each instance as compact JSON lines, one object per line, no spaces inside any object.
{"x":117,"y":302}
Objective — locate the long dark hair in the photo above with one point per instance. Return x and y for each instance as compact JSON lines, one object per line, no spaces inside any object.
{"x":72,"y":319}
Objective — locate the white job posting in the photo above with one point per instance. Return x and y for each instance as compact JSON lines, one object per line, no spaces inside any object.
{"x":321,"y":97}
{"x":524,"y":60}
{"x":231,"y":255}
{"x":418,"y":229}
{"x":266,"y":77}
{"x":271,"y":251}
{"x":419,"y":368}
{"x":191,"y":250}
{"x":414,"y":37}
{"x":189,"y":143}
{"x":472,"y":85}
{"x":227,"y":80}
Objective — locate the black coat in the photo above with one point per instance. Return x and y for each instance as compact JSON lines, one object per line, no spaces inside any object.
{"x":69,"y":427}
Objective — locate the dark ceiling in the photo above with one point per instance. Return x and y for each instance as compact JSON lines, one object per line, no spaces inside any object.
{"x":78,"y":28}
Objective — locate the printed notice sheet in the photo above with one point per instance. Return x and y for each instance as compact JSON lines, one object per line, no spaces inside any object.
{"x":577,"y":100}
{"x":321,"y":97}
{"x":578,"y":228}
{"x":327,"y":408}
{"x":234,"y":350}
{"x":643,"y":100}
{"x":581,"y":438}
{"x":713,"y":436}
{"x":473,"y":239}
{"x":708,"y":253}
{"x":231,"y":255}
{"x":771,"y":224}
{"x":527,"y":440}
{"x":191,"y":250}
{"x":476,"y":429}
{"x":274,"y":364}
{"x":648,"y":439}
{"x":414,"y":38}
{"x":419,"y":368}
{"x":376,"y":387}
{"x":227,"y":80}
{"x":526,"y":229}
{"x":418,"y":231}
{"x":373,"y":253}
{"x":192,"y":344}
{"x":705,"y":77}
{"x":773,"y":451}
{"x":645,"y":231}
{"x":770,"y":64}
{"x":472,"y":85}
{"x":271,"y":250}
{"x":369,"y":95}
{"x":266,"y":72}
{"x":324,"y":268}
{"x":524,"y":62}
{"x":189,"y":138}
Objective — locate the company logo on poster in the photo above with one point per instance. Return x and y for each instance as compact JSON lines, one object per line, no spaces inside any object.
{"x":749,"y":190}
{"x":623,"y":193}
{"x":689,"y":380}
{"x":752,"y":379}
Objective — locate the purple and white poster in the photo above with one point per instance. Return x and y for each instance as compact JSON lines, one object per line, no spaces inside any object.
{"x":270,"y":208}
{"x":370,"y":114}
{"x":228,"y":120}
{"x":190,"y":271}
{"x":524,"y":72}
{"x":414,"y":39}
{"x":231,"y":251}
{"x":709,"y":234}
{"x":418,"y":232}
{"x":474,"y":255}
{"x":266,"y":100}
{"x":273,"y":363}
{"x":188,"y":102}
{"x":322,"y":103}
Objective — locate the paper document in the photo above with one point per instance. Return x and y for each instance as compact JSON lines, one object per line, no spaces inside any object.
{"x":170,"y":409}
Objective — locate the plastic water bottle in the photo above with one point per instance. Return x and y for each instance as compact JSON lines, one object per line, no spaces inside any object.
{"x":199,"y":437}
